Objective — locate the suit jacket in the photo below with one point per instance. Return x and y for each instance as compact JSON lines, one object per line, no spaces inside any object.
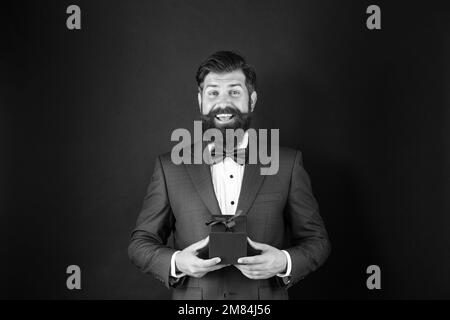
{"x":281,"y":211}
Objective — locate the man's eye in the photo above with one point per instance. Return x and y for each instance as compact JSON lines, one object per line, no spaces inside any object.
{"x":213,"y":93}
{"x":235,"y":93}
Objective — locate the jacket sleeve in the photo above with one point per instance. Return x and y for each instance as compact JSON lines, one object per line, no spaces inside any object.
{"x":310,"y":245}
{"x":148,"y":248}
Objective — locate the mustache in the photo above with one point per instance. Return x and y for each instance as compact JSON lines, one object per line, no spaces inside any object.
{"x":242,"y":120}
{"x":228,"y":109}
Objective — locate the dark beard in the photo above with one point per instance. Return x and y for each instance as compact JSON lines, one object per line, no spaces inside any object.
{"x":241,"y":120}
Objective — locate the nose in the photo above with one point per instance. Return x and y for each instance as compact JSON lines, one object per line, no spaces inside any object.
{"x":223,"y":102}
{"x":222,"y":105}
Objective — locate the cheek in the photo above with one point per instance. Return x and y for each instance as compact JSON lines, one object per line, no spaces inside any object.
{"x":242,"y":104}
{"x":206,"y":106}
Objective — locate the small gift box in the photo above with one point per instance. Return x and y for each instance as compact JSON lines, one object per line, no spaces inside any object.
{"x":228,"y":237}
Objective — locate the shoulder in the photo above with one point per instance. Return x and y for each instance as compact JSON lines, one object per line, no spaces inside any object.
{"x":282,"y":161}
{"x":165,"y":157}
{"x":165,"y":160}
{"x":288,"y":152}
{"x":172,"y":160}
{"x":185,"y":152}
{"x":290,"y":155}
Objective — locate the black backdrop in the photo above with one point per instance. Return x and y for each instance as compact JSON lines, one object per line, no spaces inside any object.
{"x":85,"y":113}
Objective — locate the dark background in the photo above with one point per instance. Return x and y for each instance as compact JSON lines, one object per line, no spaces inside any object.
{"x":85,"y":113}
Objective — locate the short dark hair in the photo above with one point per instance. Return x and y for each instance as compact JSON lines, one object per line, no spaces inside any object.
{"x":226,"y":61}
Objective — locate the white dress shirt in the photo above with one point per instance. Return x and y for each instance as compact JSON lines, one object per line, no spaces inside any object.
{"x":227,"y":180}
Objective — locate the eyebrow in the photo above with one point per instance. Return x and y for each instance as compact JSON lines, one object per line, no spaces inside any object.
{"x":230,"y":85}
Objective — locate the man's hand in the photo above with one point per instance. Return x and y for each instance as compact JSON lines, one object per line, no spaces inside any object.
{"x":186,"y":261}
{"x":269,"y":263}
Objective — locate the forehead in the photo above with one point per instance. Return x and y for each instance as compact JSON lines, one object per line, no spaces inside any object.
{"x":236,"y":76}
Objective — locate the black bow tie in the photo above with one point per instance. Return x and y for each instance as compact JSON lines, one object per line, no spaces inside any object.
{"x":239,"y":155}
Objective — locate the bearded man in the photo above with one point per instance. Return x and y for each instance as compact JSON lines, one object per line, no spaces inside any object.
{"x":284,"y":226}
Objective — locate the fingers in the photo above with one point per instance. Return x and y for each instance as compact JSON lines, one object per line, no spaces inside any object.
{"x":259,"y":259}
{"x":199,"y":245}
{"x":199,"y":272}
{"x":207,"y":263}
{"x":216,"y":267}
{"x":252,"y":267}
{"x":257,"y":245}
{"x":255,"y":275}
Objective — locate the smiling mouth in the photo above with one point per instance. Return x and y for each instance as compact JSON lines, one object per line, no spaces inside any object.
{"x":224,"y":117}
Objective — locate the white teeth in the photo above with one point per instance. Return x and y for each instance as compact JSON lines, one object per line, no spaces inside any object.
{"x":224,"y":116}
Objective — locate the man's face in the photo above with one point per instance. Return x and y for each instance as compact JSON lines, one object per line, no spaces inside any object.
{"x":224,"y":100}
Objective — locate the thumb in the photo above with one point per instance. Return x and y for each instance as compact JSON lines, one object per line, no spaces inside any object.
{"x":257,"y":245}
{"x":200,"y":244}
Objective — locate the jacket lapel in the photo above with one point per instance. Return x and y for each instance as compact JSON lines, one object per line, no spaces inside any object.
{"x":251,"y":183}
{"x":200,"y":175}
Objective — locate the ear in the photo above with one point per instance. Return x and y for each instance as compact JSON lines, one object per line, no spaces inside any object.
{"x":253,"y":99}
{"x":199,"y":96}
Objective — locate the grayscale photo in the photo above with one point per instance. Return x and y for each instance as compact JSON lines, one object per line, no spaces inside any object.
{"x":265,"y":152}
